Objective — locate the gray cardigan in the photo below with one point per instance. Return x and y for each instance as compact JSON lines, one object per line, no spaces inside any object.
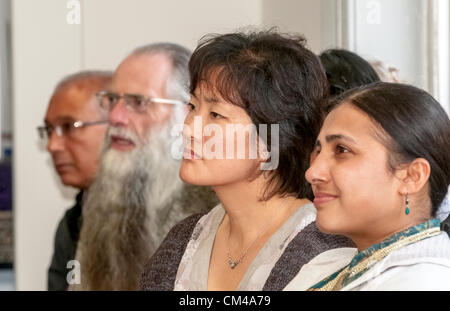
{"x":161,"y":270}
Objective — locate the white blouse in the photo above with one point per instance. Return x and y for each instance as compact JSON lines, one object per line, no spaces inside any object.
{"x":424,"y":265}
{"x":192,"y":274}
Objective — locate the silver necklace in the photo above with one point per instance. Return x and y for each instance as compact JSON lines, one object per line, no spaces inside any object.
{"x":234,"y":263}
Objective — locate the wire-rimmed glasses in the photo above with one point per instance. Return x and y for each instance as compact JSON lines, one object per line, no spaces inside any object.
{"x":135,"y":102}
{"x":67,"y":128}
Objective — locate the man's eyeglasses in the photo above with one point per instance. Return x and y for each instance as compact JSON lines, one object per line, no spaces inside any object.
{"x":65,"y":129}
{"x":135,"y":102}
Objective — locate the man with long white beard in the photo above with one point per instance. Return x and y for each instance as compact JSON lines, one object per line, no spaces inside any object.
{"x":138,"y":196}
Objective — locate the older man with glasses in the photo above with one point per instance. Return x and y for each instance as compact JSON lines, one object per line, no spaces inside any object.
{"x":74,"y":130}
{"x":137,"y":195}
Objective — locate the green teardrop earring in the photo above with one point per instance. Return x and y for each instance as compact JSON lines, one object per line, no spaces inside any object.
{"x":407,"y":205}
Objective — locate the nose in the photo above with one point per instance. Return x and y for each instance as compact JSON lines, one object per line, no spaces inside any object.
{"x":55,"y":143}
{"x":318,"y":171}
{"x":192,"y":129}
{"x":118,"y":115}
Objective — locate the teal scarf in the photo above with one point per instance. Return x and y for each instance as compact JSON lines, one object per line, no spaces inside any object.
{"x":366,"y":259}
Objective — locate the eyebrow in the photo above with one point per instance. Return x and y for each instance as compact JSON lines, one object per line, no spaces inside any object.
{"x":330,"y":138}
{"x":61,"y":119}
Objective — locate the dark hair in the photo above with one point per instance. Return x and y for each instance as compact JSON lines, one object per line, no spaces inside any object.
{"x":276,"y":80}
{"x":346,"y":70}
{"x":416,"y":126}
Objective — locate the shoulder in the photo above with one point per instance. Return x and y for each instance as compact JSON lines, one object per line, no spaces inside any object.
{"x":307,"y":244}
{"x":320,"y":267}
{"x":424,"y":265}
{"x":318,"y":241}
{"x":68,"y":227}
{"x":420,"y":276}
{"x":160,"y":271}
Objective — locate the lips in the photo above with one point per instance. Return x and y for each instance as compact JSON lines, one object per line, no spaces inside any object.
{"x":63,"y":167}
{"x":188,"y":154}
{"x":121,"y":143}
{"x":321,"y":198}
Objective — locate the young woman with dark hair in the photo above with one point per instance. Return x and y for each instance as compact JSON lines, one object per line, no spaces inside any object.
{"x":379,"y":172}
{"x":263,"y":231}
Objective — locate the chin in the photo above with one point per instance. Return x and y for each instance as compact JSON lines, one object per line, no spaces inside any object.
{"x":72,"y":183}
{"x":195,"y":177}
{"x":188,"y":173}
{"x":326,"y":226}
{"x":189,"y":178}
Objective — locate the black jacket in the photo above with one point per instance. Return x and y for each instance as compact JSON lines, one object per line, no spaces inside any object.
{"x":66,"y":239}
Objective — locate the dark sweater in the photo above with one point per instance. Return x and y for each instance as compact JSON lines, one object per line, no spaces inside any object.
{"x":161,"y":270}
{"x":65,"y":246}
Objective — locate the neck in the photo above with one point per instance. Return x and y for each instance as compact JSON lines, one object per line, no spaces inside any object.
{"x":372,"y":237}
{"x":246,"y":216}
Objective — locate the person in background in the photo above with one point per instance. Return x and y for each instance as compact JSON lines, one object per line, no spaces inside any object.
{"x":263,"y":230}
{"x":385,"y":72}
{"x":75,"y":128}
{"x":379,"y":180}
{"x":346,"y":70}
{"x":137,"y":195}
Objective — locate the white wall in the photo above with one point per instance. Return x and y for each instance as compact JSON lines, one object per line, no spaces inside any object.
{"x":394,"y":32}
{"x":112,"y":28}
{"x":303,"y":17}
{"x":45,"y":48}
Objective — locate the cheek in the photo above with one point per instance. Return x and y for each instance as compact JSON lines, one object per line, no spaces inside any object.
{"x":240,"y":145}
{"x":160,"y":114}
{"x":142,"y":126}
{"x":364,"y":189}
{"x":86,"y":157}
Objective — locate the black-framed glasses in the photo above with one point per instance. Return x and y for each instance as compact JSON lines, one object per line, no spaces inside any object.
{"x":135,"y":102}
{"x":66,"y":128}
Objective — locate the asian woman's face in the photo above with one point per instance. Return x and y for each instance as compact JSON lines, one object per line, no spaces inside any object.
{"x":355,"y":191}
{"x":217,"y":141}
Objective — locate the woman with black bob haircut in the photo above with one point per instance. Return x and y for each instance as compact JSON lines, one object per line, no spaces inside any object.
{"x":379,"y":172}
{"x":263,"y":231}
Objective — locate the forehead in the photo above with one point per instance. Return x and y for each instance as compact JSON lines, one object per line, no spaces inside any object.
{"x":143,"y":74}
{"x":350,"y":121}
{"x":206,"y":93}
{"x":73,"y":101}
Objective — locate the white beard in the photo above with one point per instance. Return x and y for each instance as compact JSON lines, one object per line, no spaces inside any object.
{"x":126,"y":199}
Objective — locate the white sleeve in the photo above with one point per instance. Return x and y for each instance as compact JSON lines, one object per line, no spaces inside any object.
{"x":320,"y":267}
{"x":416,"y":277}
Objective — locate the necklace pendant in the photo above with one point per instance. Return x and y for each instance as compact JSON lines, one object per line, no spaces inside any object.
{"x":232,"y":263}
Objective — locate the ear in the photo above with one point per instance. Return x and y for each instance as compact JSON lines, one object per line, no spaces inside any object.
{"x":415,"y":175}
